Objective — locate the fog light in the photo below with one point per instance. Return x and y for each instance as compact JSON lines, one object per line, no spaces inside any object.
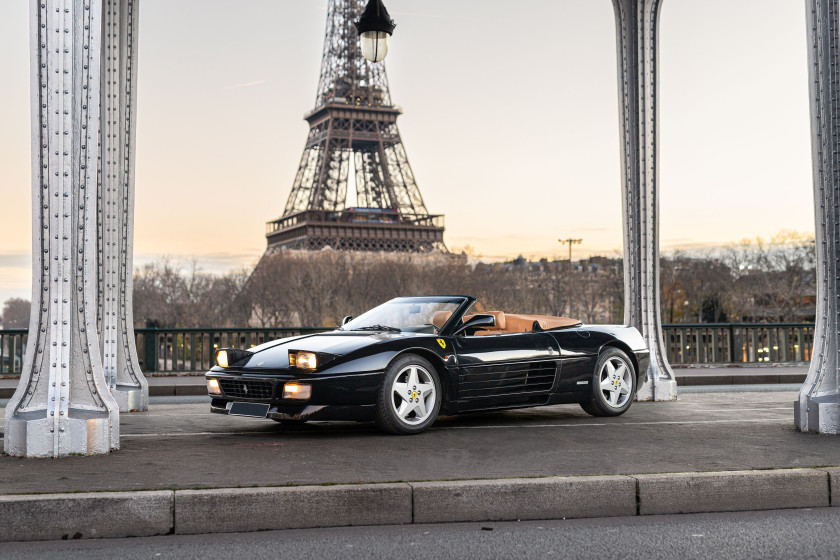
{"x":213,"y":387}
{"x":297,"y":391}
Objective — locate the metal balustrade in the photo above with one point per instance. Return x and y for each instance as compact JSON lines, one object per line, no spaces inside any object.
{"x":738,"y":343}
{"x":12,"y":347}
{"x":192,"y":350}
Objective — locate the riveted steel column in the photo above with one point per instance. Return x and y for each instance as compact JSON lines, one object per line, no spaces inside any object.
{"x":637,"y":23}
{"x":818,"y":407}
{"x":62,"y":405}
{"x":116,"y":204}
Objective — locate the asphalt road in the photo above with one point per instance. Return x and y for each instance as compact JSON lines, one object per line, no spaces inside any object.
{"x":184,"y":446}
{"x":759,"y":535}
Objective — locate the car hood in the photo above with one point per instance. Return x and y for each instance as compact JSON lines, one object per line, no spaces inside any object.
{"x":275,"y":355}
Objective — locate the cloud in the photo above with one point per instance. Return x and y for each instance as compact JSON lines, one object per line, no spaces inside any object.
{"x":247,"y":84}
{"x":426,"y":14}
{"x":16,"y":260}
{"x":214,"y":263}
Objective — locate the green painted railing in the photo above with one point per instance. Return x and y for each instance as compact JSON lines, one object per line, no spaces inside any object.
{"x":12,"y":347}
{"x":738,"y":343}
{"x":192,"y":350}
{"x":186,"y":350}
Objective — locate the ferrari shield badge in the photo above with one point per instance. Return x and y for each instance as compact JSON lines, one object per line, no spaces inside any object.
{"x":442,"y":343}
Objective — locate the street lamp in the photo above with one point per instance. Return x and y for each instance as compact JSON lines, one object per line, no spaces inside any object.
{"x":375,"y":28}
{"x":570,"y":242}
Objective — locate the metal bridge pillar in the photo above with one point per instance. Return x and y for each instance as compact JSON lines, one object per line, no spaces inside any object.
{"x":116,"y":205}
{"x":818,"y":407}
{"x":637,"y":26}
{"x":62,"y":405}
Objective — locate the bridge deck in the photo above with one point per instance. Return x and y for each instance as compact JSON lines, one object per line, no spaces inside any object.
{"x":191,"y":385}
{"x":184,"y":446}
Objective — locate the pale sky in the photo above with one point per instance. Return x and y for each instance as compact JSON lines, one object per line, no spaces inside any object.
{"x":511,"y":123}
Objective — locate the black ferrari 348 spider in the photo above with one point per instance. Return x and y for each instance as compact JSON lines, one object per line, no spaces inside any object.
{"x":409,"y":360}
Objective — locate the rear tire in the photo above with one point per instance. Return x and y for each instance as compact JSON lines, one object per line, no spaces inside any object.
{"x":613,"y":385}
{"x":410,"y":396}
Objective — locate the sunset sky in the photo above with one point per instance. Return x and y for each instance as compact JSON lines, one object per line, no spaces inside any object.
{"x":511,"y":123}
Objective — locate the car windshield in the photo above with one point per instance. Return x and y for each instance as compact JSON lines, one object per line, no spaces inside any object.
{"x":425,"y":315}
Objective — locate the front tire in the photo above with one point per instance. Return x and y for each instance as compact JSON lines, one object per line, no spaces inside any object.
{"x":410,"y":396}
{"x":613,"y":384}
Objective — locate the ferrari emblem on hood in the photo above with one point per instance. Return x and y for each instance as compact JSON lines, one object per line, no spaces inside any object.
{"x":442,"y":343}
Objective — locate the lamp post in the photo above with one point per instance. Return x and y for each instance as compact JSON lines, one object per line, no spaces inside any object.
{"x":375,"y":28}
{"x":570,"y":242}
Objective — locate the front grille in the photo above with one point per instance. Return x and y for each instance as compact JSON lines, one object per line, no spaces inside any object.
{"x":506,"y":379}
{"x":247,"y":388}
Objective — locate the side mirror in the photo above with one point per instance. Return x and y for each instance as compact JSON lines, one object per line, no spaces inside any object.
{"x":346,"y":320}
{"x":476,"y":321}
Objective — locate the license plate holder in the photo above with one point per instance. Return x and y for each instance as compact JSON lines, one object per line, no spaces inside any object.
{"x":251,"y":410}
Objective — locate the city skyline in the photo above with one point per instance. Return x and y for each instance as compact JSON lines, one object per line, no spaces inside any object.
{"x":494,"y":135}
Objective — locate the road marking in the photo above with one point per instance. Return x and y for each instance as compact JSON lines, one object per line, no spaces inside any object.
{"x":487,"y":427}
{"x":613,"y":425}
{"x":742,"y":409}
{"x":190,"y":434}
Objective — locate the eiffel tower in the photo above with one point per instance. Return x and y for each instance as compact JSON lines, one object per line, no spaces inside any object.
{"x":354,"y":188}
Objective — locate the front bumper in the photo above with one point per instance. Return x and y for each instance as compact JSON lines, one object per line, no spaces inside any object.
{"x":359,"y":413}
{"x":334,"y":397}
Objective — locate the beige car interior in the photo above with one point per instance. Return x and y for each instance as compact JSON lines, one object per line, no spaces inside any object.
{"x":509,"y":323}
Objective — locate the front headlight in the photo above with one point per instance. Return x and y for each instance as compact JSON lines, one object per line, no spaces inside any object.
{"x":227,"y":357}
{"x":303,"y":360}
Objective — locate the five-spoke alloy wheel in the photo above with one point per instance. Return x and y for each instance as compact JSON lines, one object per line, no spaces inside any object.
{"x":613,"y":384}
{"x":410,"y":396}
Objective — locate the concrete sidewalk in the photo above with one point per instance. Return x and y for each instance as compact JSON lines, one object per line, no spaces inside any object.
{"x":193,"y":384}
{"x":557,"y":452}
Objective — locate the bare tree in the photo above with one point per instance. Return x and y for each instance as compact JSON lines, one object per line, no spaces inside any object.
{"x":748,"y":281}
{"x":166,"y":295}
{"x":16,"y":313}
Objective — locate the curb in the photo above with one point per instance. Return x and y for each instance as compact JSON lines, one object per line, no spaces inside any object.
{"x":139,"y":514}
{"x":698,"y":379}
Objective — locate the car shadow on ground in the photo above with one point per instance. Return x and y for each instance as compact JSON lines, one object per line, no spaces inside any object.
{"x":554,"y":414}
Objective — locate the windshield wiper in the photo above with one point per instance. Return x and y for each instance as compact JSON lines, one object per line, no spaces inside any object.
{"x":378,"y":328}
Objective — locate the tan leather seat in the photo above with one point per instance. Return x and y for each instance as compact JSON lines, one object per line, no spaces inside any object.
{"x":525,"y":323}
{"x":440,"y":318}
{"x":509,"y":323}
{"x":499,"y":316}
{"x":547,"y":323}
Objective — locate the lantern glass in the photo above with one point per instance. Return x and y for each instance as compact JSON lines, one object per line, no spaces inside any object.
{"x":375,"y":45}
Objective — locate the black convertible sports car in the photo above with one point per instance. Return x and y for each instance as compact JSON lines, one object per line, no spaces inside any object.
{"x":412,"y":358}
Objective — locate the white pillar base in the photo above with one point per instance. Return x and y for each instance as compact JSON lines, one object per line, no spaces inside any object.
{"x":130,"y":398}
{"x":660,"y":385}
{"x":657,"y":390}
{"x":822,"y":414}
{"x":85,"y":433}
